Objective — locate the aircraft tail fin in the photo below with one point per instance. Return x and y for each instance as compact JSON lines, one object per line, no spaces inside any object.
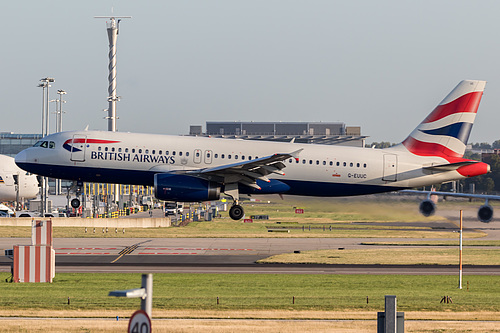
{"x":446,"y":129}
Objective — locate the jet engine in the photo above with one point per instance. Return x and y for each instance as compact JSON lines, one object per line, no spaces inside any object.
{"x":183,"y":188}
{"x":485,"y":213}
{"x":427,"y":208}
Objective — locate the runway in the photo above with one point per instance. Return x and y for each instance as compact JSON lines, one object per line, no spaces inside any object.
{"x":217,"y":255}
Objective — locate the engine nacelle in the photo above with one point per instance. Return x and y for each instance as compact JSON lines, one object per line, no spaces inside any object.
{"x":172,"y":187}
{"x":427,"y":208}
{"x":485,"y":213}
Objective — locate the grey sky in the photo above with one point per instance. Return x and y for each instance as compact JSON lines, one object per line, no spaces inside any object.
{"x":382,"y":65}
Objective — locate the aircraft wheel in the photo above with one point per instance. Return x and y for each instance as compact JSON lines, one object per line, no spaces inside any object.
{"x":236,"y":212}
{"x":75,"y":203}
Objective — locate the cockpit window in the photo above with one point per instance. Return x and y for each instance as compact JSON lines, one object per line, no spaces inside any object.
{"x":45,"y":144}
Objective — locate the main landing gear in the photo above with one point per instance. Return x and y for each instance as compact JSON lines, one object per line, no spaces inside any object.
{"x":236,"y":212}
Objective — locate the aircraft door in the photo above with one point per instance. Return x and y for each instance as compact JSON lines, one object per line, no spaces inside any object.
{"x":208,"y":157}
{"x":390,"y":167}
{"x":78,"y":145}
{"x":197,"y":156}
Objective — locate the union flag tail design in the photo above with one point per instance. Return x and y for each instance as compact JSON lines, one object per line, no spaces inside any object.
{"x":446,"y":130}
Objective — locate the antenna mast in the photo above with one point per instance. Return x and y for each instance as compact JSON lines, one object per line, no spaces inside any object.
{"x":113,"y":27}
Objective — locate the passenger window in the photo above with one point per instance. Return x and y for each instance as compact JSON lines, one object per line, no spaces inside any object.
{"x":324,"y":162}
{"x":317,"y":162}
{"x":153,"y":152}
{"x":364,"y":165}
{"x":159,"y":152}
{"x":133,"y":150}
{"x":208,"y":155}
{"x":180,"y":153}
{"x":216,"y":155}
{"x":310,"y":161}
{"x":166,"y":152}
{"x":357,"y":165}
{"x":197,"y":154}
{"x":126,"y":150}
{"x":146,"y":151}
{"x":222,"y":156}
{"x":297,"y":160}
{"x":173,"y":153}
{"x":303,"y":161}
{"x":290,"y":161}
{"x":187,"y":153}
{"x":119,"y":150}
{"x":228,"y":157}
{"x":351,"y":164}
{"x":105,"y":148}
{"x":113,"y":149}
{"x":345,"y":164}
{"x":249,"y":158}
{"x":235,"y":157}
{"x":242,"y":157}
{"x":331,"y":163}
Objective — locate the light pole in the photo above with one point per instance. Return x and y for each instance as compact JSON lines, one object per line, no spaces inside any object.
{"x":59,"y":127}
{"x":58,"y":124}
{"x":45,"y":85}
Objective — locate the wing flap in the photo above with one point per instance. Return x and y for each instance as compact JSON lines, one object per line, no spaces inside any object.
{"x":247,"y":172}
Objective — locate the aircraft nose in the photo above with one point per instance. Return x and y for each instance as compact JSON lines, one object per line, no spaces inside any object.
{"x":21,"y":159}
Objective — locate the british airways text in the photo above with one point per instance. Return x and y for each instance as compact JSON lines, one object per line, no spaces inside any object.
{"x":126,"y":157}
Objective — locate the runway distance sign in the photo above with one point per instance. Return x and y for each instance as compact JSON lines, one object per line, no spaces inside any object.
{"x":139,"y":322}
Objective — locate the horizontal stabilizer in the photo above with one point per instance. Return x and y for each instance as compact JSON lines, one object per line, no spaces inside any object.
{"x":449,"y":166}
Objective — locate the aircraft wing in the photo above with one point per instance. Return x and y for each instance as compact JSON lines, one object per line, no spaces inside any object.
{"x":246,"y":172}
{"x":454,"y":194}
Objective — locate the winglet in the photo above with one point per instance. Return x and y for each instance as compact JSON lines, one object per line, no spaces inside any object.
{"x":296,"y":153}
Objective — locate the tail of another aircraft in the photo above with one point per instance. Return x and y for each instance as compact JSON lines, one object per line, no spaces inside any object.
{"x":446,"y":129}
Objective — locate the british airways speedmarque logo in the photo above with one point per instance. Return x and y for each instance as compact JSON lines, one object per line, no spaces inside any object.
{"x":68,"y":144}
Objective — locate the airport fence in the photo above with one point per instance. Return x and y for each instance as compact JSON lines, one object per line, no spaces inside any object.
{"x":122,"y":212}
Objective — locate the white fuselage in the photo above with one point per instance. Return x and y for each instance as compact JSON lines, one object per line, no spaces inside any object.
{"x":320,"y":170}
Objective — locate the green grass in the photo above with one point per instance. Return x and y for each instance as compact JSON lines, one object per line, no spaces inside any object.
{"x":225,"y":228}
{"x":393,"y":256}
{"x":338,"y":214}
{"x":438,"y":243}
{"x":256,"y":291}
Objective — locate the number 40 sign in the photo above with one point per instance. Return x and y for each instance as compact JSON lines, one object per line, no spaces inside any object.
{"x":139,"y":322}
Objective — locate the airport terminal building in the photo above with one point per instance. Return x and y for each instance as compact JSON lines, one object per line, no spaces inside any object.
{"x":11,"y":144}
{"x":301,"y":132}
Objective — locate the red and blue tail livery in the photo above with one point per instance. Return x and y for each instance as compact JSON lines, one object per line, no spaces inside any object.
{"x":193,"y":169}
{"x":446,"y":130}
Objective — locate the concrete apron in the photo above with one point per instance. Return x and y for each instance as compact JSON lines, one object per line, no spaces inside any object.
{"x":91,"y":222}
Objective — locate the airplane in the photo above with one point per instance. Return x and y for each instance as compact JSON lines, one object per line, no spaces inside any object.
{"x":196,"y":169}
{"x":10,"y":175}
